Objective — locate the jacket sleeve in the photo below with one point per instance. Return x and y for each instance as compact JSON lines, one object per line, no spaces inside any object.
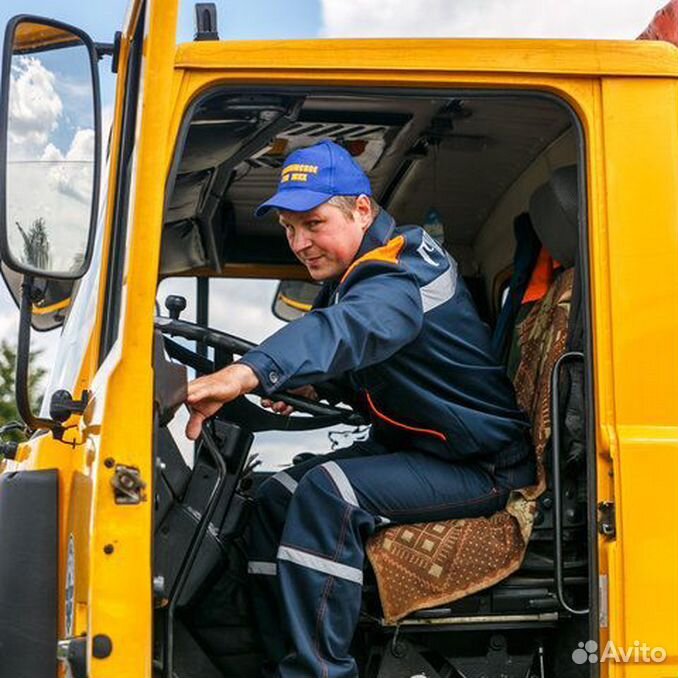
{"x":379,"y":311}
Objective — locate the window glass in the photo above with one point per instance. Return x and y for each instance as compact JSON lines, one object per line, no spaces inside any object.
{"x":243,"y":307}
{"x":114,"y":282}
{"x":78,"y":326}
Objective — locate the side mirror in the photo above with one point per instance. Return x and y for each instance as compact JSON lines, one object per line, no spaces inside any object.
{"x":49,"y":149}
{"x":293,"y":298}
{"x":50,"y":309}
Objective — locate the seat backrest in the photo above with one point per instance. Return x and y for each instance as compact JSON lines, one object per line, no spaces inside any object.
{"x":542,"y":335}
{"x":554,"y":214}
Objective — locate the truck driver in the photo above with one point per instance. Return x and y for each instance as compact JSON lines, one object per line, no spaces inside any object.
{"x":395,"y":323}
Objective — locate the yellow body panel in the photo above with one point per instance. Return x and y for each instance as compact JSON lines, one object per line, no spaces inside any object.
{"x":520,"y":57}
{"x":625,"y":95}
{"x":641,"y":358}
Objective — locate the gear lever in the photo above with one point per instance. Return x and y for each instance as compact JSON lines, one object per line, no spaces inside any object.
{"x":175,"y":305}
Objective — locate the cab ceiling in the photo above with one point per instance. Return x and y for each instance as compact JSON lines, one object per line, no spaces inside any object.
{"x":458,"y":156}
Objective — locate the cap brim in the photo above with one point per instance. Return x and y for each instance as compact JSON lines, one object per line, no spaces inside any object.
{"x":293,"y":200}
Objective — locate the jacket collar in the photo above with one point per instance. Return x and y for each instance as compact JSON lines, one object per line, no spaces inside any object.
{"x":378,"y":234}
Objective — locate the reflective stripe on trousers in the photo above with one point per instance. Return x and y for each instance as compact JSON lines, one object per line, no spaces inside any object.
{"x":307,"y":541}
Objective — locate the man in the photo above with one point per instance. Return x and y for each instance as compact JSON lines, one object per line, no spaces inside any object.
{"x":396,"y":325}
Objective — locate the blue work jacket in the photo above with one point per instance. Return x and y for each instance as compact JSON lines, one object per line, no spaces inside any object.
{"x":401,"y":329}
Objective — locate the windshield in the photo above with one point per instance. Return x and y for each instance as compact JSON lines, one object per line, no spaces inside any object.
{"x":243,"y":307}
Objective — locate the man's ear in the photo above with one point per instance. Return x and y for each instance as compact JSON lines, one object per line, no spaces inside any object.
{"x":363,"y":208}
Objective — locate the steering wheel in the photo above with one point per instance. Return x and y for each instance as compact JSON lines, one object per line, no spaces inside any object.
{"x":322,"y":415}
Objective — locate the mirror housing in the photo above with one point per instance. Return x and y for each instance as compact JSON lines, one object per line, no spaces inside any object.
{"x":50,"y":149}
{"x":55,"y":300}
{"x":294,"y":298}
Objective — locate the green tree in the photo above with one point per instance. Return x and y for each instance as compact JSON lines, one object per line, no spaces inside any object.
{"x":36,"y":244}
{"x":8,"y":411}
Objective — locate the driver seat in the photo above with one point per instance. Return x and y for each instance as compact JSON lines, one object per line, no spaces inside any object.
{"x":419,"y":567}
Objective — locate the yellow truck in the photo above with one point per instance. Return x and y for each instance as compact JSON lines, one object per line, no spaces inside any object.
{"x":120,"y":557}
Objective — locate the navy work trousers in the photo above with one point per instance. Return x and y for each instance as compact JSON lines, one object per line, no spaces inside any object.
{"x":310,"y":525}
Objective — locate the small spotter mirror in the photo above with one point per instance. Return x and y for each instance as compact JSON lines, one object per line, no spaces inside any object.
{"x":293,"y":298}
{"x":52,"y":299}
{"x":49,"y":148}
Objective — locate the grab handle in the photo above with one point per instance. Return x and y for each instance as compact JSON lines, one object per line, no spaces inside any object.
{"x":571,"y":356}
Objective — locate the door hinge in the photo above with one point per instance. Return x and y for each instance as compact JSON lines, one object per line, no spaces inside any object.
{"x":606,"y":519}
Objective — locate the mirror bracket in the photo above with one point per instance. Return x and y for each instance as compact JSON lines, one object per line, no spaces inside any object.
{"x":111,"y":49}
{"x":104,"y":49}
{"x":23,"y":403}
{"x":62,"y":405}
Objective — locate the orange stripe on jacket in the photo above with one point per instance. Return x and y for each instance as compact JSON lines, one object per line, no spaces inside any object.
{"x":393,"y":422}
{"x":390,"y":253}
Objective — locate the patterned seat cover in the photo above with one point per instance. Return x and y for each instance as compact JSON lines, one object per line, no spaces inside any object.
{"x":429,"y":564}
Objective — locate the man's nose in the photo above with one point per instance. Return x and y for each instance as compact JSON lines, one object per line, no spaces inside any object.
{"x":300,"y":241}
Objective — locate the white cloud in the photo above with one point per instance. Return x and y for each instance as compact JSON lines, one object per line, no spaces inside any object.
{"x":71,"y":175}
{"x":34,"y":107}
{"x":623,"y":19}
{"x":82,"y":146}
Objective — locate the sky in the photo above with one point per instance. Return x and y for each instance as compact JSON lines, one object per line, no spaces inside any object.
{"x":272,"y":19}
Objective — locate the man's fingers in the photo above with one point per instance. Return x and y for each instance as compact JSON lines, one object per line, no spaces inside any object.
{"x":283,"y":408}
{"x":194,"y":426}
{"x":279,"y":407}
{"x":205,"y":395}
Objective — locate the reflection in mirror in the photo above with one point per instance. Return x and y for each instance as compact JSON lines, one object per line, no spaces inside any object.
{"x":293,"y":298}
{"x":50,"y":150}
{"x":33,"y":37}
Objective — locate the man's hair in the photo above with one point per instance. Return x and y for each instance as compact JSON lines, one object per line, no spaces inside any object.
{"x":346,"y":204}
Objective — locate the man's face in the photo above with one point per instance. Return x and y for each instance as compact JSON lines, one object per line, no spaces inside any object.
{"x":325,"y":239}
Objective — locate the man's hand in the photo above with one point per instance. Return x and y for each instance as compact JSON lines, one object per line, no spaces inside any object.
{"x":279,"y":407}
{"x":207,"y":394}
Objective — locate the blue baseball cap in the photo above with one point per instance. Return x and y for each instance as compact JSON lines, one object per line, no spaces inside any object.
{"x":313,"y":175}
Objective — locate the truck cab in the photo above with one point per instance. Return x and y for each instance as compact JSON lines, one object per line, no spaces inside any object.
{"x":120,"y":544}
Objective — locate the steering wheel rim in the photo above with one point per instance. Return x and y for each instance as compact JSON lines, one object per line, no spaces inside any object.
{"x":238,"y":346}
